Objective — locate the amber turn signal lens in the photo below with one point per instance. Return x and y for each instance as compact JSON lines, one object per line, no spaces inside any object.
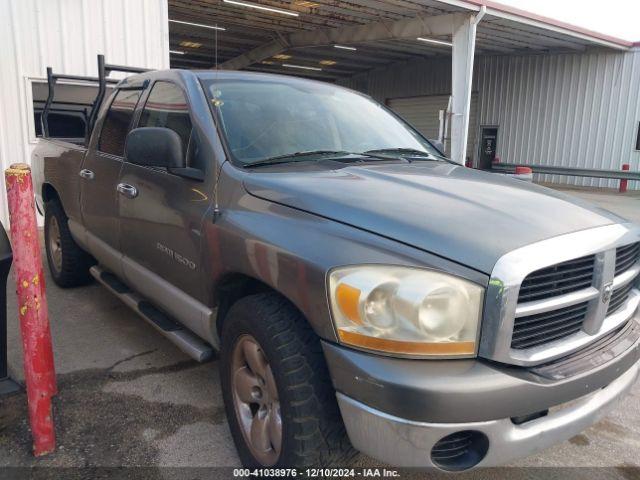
{"x":404,"y":347}
{"x":348,"y":298}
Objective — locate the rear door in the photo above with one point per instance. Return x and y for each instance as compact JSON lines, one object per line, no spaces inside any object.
{"x":100,"y":173}
{"x":160,"y":224}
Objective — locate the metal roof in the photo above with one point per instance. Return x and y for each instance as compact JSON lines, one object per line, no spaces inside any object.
{"x":503,"y":30}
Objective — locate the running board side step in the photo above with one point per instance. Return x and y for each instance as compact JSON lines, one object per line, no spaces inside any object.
{"x":184,"y":339}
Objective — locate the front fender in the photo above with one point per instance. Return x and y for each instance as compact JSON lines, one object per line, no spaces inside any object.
{"x":292,"y":251}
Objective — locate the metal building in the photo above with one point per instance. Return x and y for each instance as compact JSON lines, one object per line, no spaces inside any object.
{"x":560,"y":109}
{"x":67,"y":35}
{"x":526,"y":88}
{"x":542,"y":91}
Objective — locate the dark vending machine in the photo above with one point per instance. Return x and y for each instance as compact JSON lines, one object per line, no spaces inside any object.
{"x":488,"y":144}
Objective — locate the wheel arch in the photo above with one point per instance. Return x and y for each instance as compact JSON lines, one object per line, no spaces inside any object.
{"x":235,"y":286}
{"x":49,"y":193}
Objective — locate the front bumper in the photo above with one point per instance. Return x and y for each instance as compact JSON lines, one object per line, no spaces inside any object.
{"x":397,"y":410}
{"x":409,"y":443}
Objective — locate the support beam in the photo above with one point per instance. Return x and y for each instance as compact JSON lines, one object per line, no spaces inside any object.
{"x":256,"y":55}
{"x":409,"y":28}
{"x":462,"y":56}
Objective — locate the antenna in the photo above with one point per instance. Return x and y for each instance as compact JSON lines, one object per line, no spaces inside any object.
{"x":216,"y":205}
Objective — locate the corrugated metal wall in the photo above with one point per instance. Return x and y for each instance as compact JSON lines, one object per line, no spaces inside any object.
{"x":578,"y":109}
{"x":567,"y":109}
{"x":418,"y":77}
{"x":67,"y":35}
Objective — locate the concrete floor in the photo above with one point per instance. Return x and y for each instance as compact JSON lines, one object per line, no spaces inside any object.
{"x":128,"y":397}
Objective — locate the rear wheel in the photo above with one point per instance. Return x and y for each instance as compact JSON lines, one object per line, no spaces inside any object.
{"x":68,"y":263}
{"x":278,"y":395}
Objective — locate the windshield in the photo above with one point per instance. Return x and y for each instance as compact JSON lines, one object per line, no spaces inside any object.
{"x":263,"y":119}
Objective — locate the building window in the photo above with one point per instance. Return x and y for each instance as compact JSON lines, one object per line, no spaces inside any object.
{"x":69,"y":111}
{"x":638,"y":137}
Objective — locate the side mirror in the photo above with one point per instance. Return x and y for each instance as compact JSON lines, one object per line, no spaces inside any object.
{"x":155,"y":147}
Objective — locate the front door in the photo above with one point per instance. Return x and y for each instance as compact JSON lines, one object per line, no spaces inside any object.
{"x":488,"y":146}
{"x":100,"y":173}
{"x":161,"y":224}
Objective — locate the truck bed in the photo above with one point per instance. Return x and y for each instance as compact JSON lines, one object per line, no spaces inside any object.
{"x":59,"y":162}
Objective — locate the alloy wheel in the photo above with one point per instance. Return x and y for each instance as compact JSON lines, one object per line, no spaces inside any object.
{"x":256,"y":401}
{"x":55,"y":244}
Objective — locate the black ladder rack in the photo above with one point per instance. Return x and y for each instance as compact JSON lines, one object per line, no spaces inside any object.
{"x":104,"y":69}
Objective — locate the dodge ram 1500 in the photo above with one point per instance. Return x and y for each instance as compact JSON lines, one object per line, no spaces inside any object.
{"x":363,"y":291}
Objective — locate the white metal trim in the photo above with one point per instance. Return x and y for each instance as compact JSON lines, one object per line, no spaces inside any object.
{"x":537,"y":23}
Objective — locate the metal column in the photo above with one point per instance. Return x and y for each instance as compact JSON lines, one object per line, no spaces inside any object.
{"x":462,"y":56}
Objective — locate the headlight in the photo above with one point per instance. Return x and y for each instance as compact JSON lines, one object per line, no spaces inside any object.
{"x":405,"y":311}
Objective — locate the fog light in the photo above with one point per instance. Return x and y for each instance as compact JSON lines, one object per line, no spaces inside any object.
{"x":460,"y":451}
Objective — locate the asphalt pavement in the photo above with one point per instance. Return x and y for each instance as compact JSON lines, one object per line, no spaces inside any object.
{"x":129,"y":397}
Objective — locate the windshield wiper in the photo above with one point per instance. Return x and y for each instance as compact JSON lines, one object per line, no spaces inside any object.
{"x":293,"y":157}
{"x":409,"y":152}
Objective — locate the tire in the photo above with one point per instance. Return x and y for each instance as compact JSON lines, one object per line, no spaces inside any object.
{"x":68,"y":263}
{"x":312,"y":431}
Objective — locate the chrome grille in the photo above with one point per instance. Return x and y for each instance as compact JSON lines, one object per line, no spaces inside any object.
{"x":559,"y":279}
{"x":554,"y":297}
{"x":626,"y":257}
{"x":541,"y":328}
{"x":619,"y":298}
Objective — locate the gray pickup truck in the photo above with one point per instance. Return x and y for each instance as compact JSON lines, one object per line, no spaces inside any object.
{"x":362,"y":291}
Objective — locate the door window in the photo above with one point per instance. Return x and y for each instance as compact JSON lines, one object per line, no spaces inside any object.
{"x":116,"y":124}
{"x":167,"y":107}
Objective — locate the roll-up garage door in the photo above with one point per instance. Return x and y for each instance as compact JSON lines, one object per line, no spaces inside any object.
{"x":423,"y":114}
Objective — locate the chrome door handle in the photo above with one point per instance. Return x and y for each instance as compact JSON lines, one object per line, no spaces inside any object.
{"x":127,"y":190}
{"x":87,"y":174}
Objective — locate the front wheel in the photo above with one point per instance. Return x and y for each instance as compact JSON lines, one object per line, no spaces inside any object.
{"x":277,"y":391}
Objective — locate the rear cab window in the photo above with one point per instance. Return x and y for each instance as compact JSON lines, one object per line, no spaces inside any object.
{"x":62,"y":125}
{"x":117,"y":121}
{"x":167,"y":107}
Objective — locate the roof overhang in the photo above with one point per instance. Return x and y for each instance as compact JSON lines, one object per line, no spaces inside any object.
{"x":383,"y":33}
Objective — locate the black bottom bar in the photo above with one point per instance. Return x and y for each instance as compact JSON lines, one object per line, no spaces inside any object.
{"x":8,"y":386}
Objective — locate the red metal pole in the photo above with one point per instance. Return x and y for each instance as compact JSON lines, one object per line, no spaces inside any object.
{"x":32,"y":307}
{"x":623,"y":182}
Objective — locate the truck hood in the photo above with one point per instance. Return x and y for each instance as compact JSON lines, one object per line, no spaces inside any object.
{"x":465,"y":215}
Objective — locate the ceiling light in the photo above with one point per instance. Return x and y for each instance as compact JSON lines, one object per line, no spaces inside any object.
{"x":177,"y":52}
{"x":342,"y":47}
{"x":305,"y":3}
{"x":261,"y":7}
{"x":188,"y":44}
{"x":433,"y":40}
{"x":301,"y":67}
{"x":328,"y":63}
{"x":212,"y":27}
{"x":267,"y":62}
{"x":282,"y":56}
